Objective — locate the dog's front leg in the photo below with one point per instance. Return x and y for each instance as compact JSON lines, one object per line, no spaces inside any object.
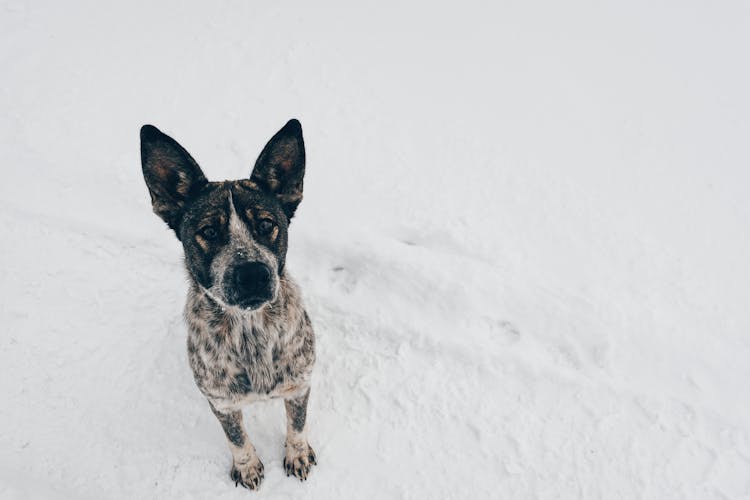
{"x":247,"y":469}
{"x":300,"y":457}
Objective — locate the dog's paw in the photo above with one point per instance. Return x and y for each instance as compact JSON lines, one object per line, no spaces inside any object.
{"x":299,"y":460}
{"x":248,"y":475}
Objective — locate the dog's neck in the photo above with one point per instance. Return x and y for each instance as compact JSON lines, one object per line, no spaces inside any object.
{"x":276,"y":321}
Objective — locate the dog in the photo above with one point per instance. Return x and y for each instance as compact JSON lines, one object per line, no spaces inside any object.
{"x":249,"y":336}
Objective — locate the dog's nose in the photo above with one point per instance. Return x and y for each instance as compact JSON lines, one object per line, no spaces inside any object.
{"x":248,"y":284}
{"x":252,"y":277}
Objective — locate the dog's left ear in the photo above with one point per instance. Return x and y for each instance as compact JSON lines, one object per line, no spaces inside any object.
{"x":171,"y":174}
{"x":280,"y":168}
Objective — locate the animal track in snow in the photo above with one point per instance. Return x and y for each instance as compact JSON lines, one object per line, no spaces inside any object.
{"x":343,"y":278}
{"x":504,"y":331}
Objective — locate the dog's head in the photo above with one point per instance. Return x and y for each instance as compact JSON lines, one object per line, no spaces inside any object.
{"x":234,"y":232}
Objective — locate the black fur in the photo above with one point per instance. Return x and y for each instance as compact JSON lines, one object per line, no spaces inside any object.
{"x":281,"y":166}
{"x":297,"y":410}
{"x":232,"y":425}
{"x":171,"y":174}
{"x":187,"y":202}
{"x":249,"y":337}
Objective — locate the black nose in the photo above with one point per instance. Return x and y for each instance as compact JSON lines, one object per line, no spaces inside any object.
{"x":251,"y":282}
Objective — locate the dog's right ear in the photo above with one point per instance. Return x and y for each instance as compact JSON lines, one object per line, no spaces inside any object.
{"x":171,"y":174}
{"x":280,"y":168}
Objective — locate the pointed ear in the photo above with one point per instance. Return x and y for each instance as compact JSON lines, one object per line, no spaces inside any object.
{"x":171,"y":174}
{"x":280,"y":168}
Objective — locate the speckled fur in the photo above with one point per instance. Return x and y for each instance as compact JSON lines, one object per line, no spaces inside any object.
{"x":241,"y":352}
{"x":238,"y":357}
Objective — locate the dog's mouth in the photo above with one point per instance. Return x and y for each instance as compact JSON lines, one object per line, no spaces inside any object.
{"x":253,"y":303}
{"x":249,"y":302}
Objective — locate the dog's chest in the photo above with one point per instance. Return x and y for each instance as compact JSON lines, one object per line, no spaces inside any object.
{"x":245,"y":359}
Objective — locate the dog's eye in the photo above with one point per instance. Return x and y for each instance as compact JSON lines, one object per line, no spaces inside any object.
{"x":265,"y":226}
{"x":208,"y":232}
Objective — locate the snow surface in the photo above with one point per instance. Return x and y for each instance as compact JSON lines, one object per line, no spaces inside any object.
{"x":524,"y":245}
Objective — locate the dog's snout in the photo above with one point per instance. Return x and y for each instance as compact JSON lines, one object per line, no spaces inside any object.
{"x":250,"y":284}
{"x":252,"y":275}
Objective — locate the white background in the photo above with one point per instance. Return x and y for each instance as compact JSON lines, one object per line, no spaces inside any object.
{"x":524,"y":245}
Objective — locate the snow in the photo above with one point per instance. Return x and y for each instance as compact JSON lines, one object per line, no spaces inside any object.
{"x":523,"y":245}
